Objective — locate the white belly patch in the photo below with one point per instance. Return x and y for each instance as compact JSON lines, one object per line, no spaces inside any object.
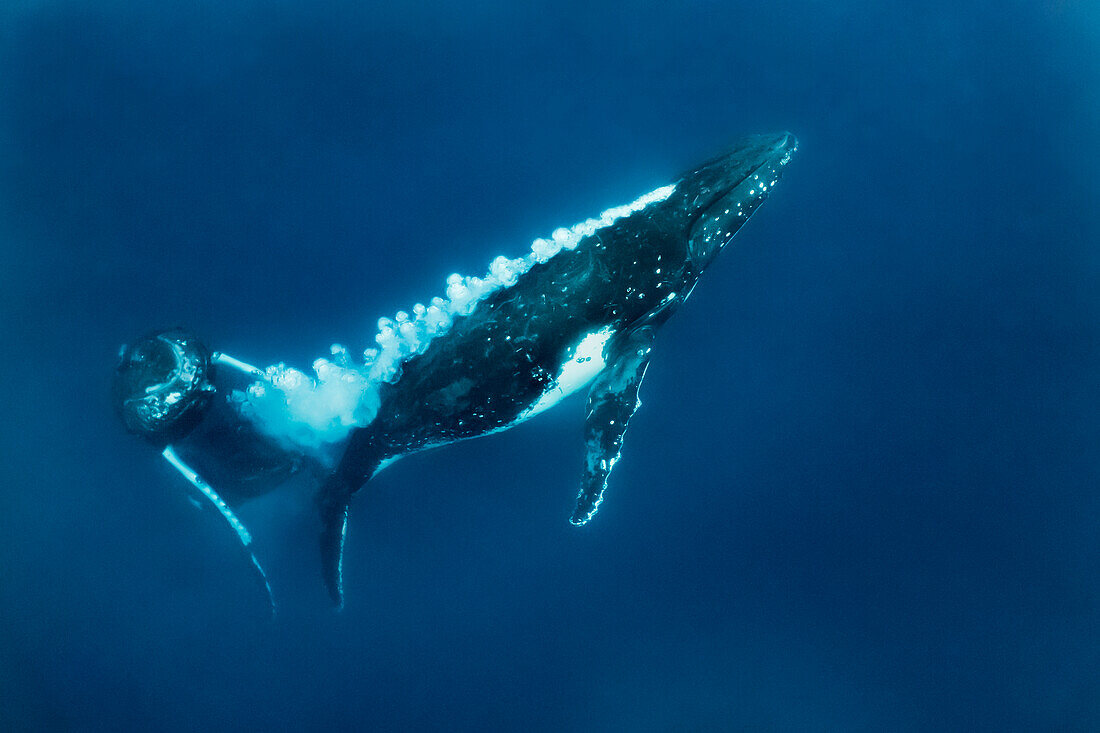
{"x":585,"y":362}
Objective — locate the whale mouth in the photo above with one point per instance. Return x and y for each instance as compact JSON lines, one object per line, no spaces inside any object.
{"x":757,"y":169}
{"x":746,"y":154}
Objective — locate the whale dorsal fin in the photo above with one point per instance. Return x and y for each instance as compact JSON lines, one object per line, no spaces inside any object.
{"x":612,"y":401}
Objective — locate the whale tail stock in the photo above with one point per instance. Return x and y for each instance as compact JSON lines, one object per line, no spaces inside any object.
{"x":332,"y":501}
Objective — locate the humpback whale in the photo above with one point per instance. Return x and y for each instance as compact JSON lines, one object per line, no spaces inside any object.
{"x":581,"y":309}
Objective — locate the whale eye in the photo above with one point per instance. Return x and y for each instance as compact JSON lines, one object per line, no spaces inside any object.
{"x":161,"y":385}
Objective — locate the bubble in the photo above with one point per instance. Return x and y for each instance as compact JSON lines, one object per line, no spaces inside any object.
{"x":312,"y":412}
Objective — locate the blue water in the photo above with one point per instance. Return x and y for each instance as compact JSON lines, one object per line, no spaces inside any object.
{"x":862,"y":493}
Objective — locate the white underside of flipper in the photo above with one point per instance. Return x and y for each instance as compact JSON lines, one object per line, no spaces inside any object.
{"x":223,"y":358}
{"x":208,"y":492}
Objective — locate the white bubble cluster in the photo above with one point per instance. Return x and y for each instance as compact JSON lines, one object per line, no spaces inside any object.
{"x":312,"y":412}
{"x":304,"y":411}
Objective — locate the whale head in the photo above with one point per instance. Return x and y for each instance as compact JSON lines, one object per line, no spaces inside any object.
{"x":719,"y":196}
{"x":162,"y":385}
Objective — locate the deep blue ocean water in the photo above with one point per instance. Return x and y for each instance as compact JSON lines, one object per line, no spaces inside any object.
{"x":862,"y":493}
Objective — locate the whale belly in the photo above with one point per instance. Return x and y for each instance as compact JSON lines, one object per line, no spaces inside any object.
{"x":586,"y":360}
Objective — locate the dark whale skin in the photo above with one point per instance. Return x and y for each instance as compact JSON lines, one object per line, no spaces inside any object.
{"x":493,"y":365}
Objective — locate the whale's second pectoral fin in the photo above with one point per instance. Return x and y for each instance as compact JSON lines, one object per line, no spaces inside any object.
{"x":212,"y":496}
{"x":612,"y":401}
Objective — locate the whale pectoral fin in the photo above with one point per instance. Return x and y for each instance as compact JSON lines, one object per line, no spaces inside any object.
{"x":332,"y":501}
{"x":612,"y":401}
{"x":207,"y":491}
